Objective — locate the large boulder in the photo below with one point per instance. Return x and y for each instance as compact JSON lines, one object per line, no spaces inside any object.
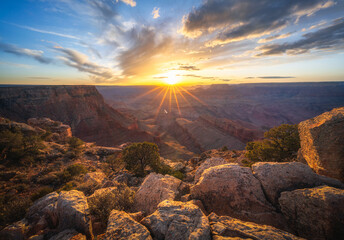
{"x":322,"y":141}
{"x":224,"y":227}
{"x":233,"y":190}
{"x":208,"y":163}
{"x":68,"y":234}
{"x":315,"y":213}
{"x":155,"y":189}
{"x":73,"y":212}
{"x":279,"y":177}
{"x":122,"y":227}
{"x":178,"y":221}
{"x":43,"y":212}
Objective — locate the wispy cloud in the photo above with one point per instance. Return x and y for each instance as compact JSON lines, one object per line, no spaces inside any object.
{"x":35,"y":54}
{"x":155,"y":12}
{"x":330,"y":37}
{"x":46,"y":32}
{"x":131,"y":3}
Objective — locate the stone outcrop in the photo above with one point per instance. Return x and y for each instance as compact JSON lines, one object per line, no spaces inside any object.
{"x":279,"y":177}
{"x":73,"y":212}
{"x":62,"y":131}
{"x":208,"y":163}
{"x":315,"y":213}
{"x":155,"y":189}
{"x":233,"y":190}
{"x":122,"y":227}
{"x":68,"y":234}
{"x":322,"y":141}
{"x":95,"y":178}
{"x":178,"y":221}
{"x":176,"y":166}
{"x":225,"y":227}
{"x":16,"y":231}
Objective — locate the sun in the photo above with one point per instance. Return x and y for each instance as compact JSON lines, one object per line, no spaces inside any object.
{"x":172,"y":79}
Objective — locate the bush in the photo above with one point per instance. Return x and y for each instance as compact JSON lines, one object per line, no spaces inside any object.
{"x":120,"y":199}
{"x":76,"y":169}
{"x":280,"y":144}
{"x":41,"y":193}
{"x":140,"y":155}
{"x":224,"y":149}
{"x":76,"y":145}
{"x":12,"y":210}
{"x":115,"y":163}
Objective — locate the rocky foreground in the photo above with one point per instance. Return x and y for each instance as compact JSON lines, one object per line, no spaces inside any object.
{"x":218,"y":199}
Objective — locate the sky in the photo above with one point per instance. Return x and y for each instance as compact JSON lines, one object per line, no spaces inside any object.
{"x":149,"y":42}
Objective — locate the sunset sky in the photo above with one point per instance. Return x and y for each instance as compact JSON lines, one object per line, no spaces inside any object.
{"x":145,"y":42}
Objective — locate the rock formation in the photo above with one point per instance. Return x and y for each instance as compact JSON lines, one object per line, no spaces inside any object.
{"x":315,"y":213}
{"x":208,"y":163}
{"x":62,"y":131}
{"x":233,"y":190}
{"x":279,"y":177}
{"x":155,"y":189}
{"x":225,"y":227}
{"x":122,"y":227}
{"x":322,"y":141}
{"x":178,"y":221}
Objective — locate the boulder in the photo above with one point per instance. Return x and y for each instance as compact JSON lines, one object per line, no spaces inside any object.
{"x":68,"y":234}
{"x":16,"y":231}
{"x":322,"y":141}
{"x":127,"y":178}
{"x":233,"y":190}
{"x":122,"y":227}
{"x":224,"y":227}
{"x":208,"y":163}
{"x":155,"y":189}
{"x":178,"y":221}
{"x":315,"y":213}
{"x":101,"y":192}
{"x":175,"y":166}
{"x":43,"y":211}
{"x":279,"y":177}
{"x":73,"y":212}
{"x":95,"y":178}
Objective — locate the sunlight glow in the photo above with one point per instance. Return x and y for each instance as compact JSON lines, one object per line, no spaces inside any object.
{"x":172,"y":78}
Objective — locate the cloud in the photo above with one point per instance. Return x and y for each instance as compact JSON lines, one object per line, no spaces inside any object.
{"x":275,"y":77}
{"x":330,"y":37}
{"x":132,"y":3}
{"x":35,"y":54}
{"x":233,"y":20}
{"x":147,"y":50}
{"x":188,"y":68}
{"x":46,"y":32}
{"x":274,"y":37}
{"x":155,"y":12}
{"x":81,"y":62}
{"x":205,"y":77}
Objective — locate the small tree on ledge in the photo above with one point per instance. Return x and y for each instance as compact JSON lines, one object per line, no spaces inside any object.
{"x":139,"y":155}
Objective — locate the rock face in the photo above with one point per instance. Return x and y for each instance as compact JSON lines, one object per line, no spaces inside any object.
{"x":208,"y":163}
{"x":315,"y":213}
{"x":95,"y":177}
{"x":73,"y":212}
{"x":68,"y":234}
{"x":122,"y":227}
{"x":279,"y":177}
{"x":16,"y":231}
{"x":63,"y":131}
{"x":233,"y":190}
{"x":225,"y":227}
{"x":178,"y":221}
{"x":155,"y":189}
{"x":322,"y":141}
{"x":81,"y":107}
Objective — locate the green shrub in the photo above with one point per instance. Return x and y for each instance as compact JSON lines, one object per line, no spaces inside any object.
{"x":115,"y":163}
{"x":41,"y":193}
{"x":280,"y":144}
{"x":178,"y":174}
{"x":120,"y":199}
{"x":12,"y":210}
{"x":224,"y":149}
{"x":76,"y":145}
{"x":76,"y":169}
{"x":69,"y":186}
{"x":140,"y":155}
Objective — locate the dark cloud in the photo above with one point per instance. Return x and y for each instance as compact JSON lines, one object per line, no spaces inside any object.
{"x":330,"y":37}
{"x":275,"y":77}
{"x":35,"y":54}
{"x":81,"y":62}
{"x":234,"y":20}
{"x":188,"y":68}
{"x":146,"y":51}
